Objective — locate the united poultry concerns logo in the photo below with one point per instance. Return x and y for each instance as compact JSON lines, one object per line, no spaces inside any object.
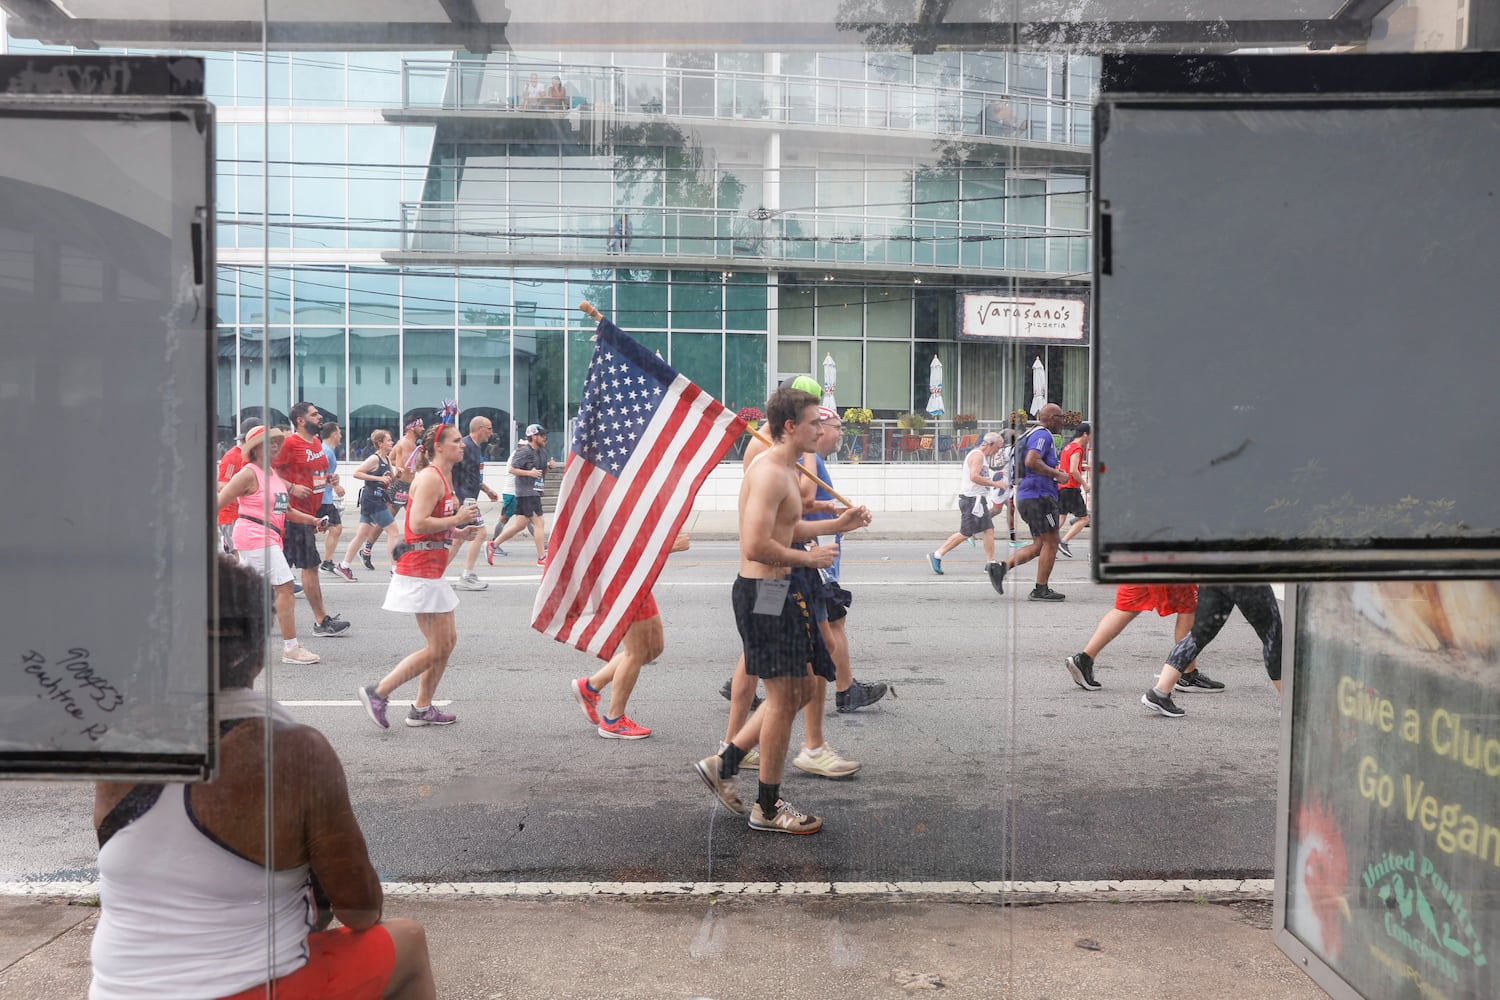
{"x":1424,"y":913}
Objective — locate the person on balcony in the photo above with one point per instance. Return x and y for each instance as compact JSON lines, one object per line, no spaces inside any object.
{"x":532,"y":93}
{"x":556,"y":97}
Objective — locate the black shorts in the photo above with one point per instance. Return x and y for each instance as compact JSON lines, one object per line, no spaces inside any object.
{"x":781,"y":645}
{"x":837,"y":600}
{"x":330,"y":511}
{"x":300,"y":546}
{"x":528,"y":507}
{"x":1041,"y":515}
{"x":974,"y":516}
{"x":1071,"y":502}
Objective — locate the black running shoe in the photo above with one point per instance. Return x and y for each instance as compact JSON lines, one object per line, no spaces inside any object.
{"x":727,"y":692}
{"x":859,"y":695}
{"x":365,"y":555}
{"x":1063,"y":548}
{"x":996,"y":571}
{"x":1161,"y":705}
{"x":1198,"y":681}
{"x":1081,"y":666}
{"x":327,"y":567}
{"x":330,"y":625}
{"x":1041,"y":593}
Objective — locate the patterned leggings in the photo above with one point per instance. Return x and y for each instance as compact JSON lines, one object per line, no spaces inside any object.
{"x":1215,"y":602}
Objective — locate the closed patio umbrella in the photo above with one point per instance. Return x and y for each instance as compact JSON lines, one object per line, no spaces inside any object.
{"x":1038,"y":386}
{"x":935,"y":385}
{"x":830,"y":381}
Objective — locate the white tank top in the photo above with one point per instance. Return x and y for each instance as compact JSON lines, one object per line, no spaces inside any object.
{"x":969,"y":488}
{"x":185,"y":918}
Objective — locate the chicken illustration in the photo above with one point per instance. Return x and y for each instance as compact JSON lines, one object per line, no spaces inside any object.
{"x":1319,"y":881}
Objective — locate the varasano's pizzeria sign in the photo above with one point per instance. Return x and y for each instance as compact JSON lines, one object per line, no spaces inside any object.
{"x":1019,"y":318}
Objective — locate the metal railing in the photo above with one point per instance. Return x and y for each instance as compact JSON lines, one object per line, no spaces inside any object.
{"x":465,"y":85}
{"x":793,"y":236}
{"x":885,"y":441}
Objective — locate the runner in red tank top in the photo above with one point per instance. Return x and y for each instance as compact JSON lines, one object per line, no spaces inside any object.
{"x":433,"y":519}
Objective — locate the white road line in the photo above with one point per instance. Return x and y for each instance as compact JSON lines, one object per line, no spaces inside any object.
{"x":1246,"y":888}
{"x":353,"y":703}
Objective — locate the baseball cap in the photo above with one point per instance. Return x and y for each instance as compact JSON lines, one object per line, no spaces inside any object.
{"x":534,"y":429}
{"x":824,"y":413}
{"x":1082,"y":429}
{"x":804,"y":382}
{"x":247,"y":425}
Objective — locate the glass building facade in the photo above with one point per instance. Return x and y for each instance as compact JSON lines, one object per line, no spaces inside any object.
{"x":396,"y":229}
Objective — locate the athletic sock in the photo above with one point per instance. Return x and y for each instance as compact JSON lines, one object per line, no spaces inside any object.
{"x":1159,"y":692}
{"x":731,"y":756}
{"x":769,"y":796}
{"x":590,"y":686}
{"x":290,"y":643}
{"x":608,"y":721}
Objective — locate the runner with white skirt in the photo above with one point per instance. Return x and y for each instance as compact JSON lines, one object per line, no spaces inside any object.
{"x":433,"y":519}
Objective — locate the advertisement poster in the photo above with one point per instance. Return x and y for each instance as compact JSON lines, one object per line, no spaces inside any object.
{"x":1392,"y":792}
{"x":1029,"y":318}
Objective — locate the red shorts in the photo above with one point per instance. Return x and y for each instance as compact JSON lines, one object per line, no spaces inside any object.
{"x":341,"y":965}
{"x":645,"y":609}
{"x":1163,"y":598}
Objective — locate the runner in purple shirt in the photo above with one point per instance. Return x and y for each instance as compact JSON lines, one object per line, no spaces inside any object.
{"x":1036,"y":499}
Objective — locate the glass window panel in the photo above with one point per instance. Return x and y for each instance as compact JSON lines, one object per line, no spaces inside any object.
{"x":745,"y":302}
{"x":374,"y":387}
{"x":374,"y":79}
{"x":849,"y":356}
{"x":887,"y":378}
{"x":318,"y":369}
{"x":374,"y":296}
{"x":840,"y":310}
{"x":226,"y":366}
{"x":254,"y":300}
{"x":428,"y":298}
{"x":744,"y":370}
{"x":793,"y":356}
{"x":427,"y":367}
{"x":539,"y":371}
{"x":596,"y":287}
{"x":375,"y":191}
{"x":642,"y":299}
{"x":580,"y":352}
{"x":484,"y":297}
{"x":484,"y":385}
{"x":317,"y":79}
{"x":319,"y":185}
{"x":254,"y":371}
{"x":697,"y":300}
{"x":888,"y":313}
{"x":542,"y":299}
{"x":794,"y":312}
{"x":700,"y":356}
{"x":936,"y":313}
{"x":319,"y":296}
{"x":982,"y":384}
{"x":226,"y":295}
{"x":218,"y":77}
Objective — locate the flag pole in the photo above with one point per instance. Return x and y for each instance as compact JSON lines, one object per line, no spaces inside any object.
{"x":587,"y":308}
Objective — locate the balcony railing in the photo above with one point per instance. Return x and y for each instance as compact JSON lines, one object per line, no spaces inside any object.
{"x":462,"y":85}
{"x":790,"y":237}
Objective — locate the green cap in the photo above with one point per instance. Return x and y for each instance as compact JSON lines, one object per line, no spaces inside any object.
{"x":806,"y":383}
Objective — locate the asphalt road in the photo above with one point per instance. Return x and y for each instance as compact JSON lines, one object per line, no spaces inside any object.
{"x":989,"y":763}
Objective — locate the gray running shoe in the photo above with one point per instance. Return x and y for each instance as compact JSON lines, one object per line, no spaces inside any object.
{"x":1041,"y":593}
{"x":330,"y":625}
{"x":471,"y":581}
{"x":860,"y":695}
{"x":1198,"y":681}
{"x":710,"y":769}
{"x":996,"y":571}
{"x":1063,"y":548}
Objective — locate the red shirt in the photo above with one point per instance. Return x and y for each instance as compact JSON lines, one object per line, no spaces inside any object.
{"x":429,"y":563}
{"x":232,"y":462}
{"x":298,"y":460}
{"x":1069,"y":450}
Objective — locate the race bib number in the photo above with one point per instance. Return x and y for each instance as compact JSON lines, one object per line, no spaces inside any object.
{"x":770,"y":596}
{"x":282,"y":503}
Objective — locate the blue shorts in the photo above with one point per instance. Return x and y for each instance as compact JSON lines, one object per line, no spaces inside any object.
{"x":381,"y":517}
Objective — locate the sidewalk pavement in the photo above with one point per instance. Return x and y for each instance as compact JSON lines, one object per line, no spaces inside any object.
{"x":769,"y":947}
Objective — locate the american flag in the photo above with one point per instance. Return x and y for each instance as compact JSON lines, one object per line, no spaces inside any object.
{"x":645,"y":440}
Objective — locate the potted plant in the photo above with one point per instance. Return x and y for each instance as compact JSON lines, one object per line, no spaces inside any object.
{"x":1072,"y":418}
{"x":912,"y":423}
{"x":857,"y":420}
{"x":966,"y":422}
{"x":1019,"y":419}
{"x":752,"y":416}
